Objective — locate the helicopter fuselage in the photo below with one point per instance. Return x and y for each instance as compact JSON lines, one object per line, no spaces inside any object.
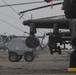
{"x":69,"y":8}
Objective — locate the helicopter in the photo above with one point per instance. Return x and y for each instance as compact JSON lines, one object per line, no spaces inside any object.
{"x":56,"y":36}
{"x":56,"y":24}
{"x":69,"y":7}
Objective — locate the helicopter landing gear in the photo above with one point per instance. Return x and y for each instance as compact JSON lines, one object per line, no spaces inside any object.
{"x":55,"y":49}
{"x":54,"y":39}
{"x":73,"y":54}
{"x":73,"y":61}
{"x":32,"y":41}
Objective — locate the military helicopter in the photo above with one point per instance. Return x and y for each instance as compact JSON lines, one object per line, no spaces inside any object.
{"x":56,"y":37}
{"x":56,"y":24}
{"x":69,"y":7}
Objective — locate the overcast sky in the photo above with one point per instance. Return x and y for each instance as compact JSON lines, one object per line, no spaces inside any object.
{"x":15,"y":21}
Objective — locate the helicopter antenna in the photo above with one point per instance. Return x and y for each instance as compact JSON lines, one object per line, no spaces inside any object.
{"x":31,"y":16}
{"x":38,"y":8}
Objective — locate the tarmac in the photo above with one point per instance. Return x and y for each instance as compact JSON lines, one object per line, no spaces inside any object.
{"x":44,"y":64}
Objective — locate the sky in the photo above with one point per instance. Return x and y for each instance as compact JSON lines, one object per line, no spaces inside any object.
{"x":11,"y":17}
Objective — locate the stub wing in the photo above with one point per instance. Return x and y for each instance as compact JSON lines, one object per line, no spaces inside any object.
{"x":62,"y":23}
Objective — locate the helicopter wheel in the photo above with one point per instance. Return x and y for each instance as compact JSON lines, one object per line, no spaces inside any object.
{"x":59,"y":50}
{"x":73,"y":60}
{"x":51,"y":51}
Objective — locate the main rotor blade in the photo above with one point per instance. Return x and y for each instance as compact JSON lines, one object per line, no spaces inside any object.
{"x":25,"y":3}
{"x":40,"y":7}
{"x":22,"y":4}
